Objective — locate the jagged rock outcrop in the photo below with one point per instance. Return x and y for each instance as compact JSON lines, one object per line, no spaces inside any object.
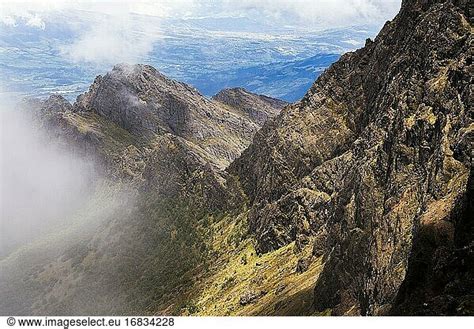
{"x":144,"y":102}
{"x":54,"y":103}
{"x":373,"y":167}
{"x":128,"y":116}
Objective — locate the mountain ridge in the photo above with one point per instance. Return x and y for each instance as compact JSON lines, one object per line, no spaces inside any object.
{"x":164,"y":146}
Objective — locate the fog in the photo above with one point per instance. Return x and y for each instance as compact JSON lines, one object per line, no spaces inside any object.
{"x":42,"y":184}
{"x":56,"y":211}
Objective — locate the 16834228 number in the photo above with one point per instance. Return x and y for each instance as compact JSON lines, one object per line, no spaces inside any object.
{"x":151,"y":321}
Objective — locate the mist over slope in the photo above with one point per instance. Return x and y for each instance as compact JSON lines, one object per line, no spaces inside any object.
{"x":43,"y":183}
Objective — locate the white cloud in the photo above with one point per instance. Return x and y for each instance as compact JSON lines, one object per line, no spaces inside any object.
{"x":113,"y":40}
{"x":35,"y":21}
{"x":338,"y":12}
{"x":26,"y":18}
{"x":13,"y":13}
{"x":164,"y":8}
{"x":8,"y":20}
{"x":158,"y":8}
{"x":321,"y":13}
{"x":42,"y":183}
{"x":119,"y":37}
{"x":112,"y":33}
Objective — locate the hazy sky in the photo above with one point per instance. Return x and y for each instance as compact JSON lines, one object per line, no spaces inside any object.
{"x":321,"y":13}
{"x":114,"y":34}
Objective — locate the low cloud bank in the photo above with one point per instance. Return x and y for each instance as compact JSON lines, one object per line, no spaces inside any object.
{"x":41,"y":186}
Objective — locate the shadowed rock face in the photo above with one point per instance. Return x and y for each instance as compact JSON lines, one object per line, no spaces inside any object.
{"x":373,"y":167}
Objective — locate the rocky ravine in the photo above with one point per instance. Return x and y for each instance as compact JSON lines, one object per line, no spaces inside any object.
{"x":356,"y":200}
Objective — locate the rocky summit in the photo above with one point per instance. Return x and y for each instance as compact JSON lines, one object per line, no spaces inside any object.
{"x":357,"y":200}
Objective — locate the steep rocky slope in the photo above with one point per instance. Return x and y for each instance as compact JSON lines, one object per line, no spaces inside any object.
{"x":372,"y":169}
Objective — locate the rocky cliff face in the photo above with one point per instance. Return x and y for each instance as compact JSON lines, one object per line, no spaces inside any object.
{"x":373,"y":168}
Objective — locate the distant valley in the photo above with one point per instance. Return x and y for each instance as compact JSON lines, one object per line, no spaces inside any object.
{"x":275,"y":61}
